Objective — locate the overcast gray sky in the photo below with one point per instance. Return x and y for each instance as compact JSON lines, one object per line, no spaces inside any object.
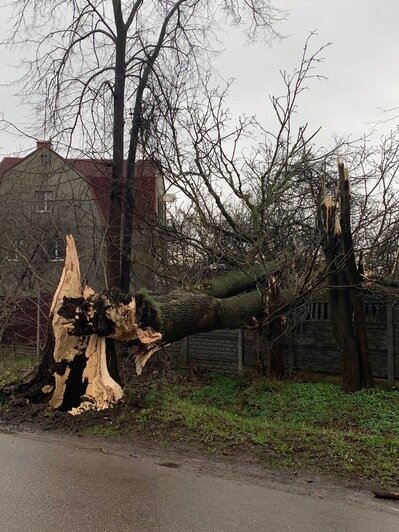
{"x":362,"y":67}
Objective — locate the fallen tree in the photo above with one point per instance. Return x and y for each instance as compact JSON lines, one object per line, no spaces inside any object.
{"x":73,"y":374}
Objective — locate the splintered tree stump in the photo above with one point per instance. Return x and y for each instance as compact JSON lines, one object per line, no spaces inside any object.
{"x":81,"y":321}
{"x":81,"y":378}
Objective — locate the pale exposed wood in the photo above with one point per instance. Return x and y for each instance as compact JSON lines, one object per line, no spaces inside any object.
{"x":87,"y":291}
{"x":66,"y":346}
{"x":69,"y":283}
{"x":102,"y":391}
{"x":126,"y":328}
{"x":59,"y":389}
{"x":124,"y":318}
{"x":142,"y":357}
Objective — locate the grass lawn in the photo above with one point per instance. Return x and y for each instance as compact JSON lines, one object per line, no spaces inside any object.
{"x":13,"y":366}
{"x":287,"y":424}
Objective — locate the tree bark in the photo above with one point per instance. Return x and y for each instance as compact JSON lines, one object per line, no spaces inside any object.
{"x":271,"y":331}
{"x":341,"y":321}
{"x":248,"y":278}
{"x":186,"y":313}
{"x":275,"y":332}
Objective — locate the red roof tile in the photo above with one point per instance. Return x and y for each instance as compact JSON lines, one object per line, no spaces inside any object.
{"x":98,"y":172}
{"x":9,"y":162}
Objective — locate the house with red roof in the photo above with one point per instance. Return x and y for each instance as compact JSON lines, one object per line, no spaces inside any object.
{"x":45,"y":196}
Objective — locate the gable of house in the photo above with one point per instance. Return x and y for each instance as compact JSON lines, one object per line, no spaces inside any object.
{"x":45,"y":196}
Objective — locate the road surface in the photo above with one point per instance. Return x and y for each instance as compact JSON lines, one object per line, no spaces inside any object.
{"x":64,"y":486}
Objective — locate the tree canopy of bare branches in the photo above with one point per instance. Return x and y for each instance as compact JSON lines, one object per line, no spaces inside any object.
{"x":94,"y":62}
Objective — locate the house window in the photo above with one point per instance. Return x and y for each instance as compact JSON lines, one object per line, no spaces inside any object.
{"x":56,"y":251}
{"x":44,"y":158}
{"x":13,"y":254}
{"x":43,"y":200}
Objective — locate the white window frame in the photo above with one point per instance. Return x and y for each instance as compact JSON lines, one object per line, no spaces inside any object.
{"x":43,"y":198}
{"x":13,"y":254}
{"x":59,"y":252}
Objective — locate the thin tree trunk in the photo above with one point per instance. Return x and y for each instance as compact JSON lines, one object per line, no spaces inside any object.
{"x":272,"y":331}
{"x":131,"y":184}
{"x":115,"y":215}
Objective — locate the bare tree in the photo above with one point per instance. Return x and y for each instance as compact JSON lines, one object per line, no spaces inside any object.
{"x":242,"y":187}
{"x":238,"y":227}
{"x":246,"y":195}
{"x":93,"y":64}
{"x":247,"y":207}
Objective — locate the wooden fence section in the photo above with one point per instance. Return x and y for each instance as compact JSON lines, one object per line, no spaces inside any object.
{"x":311,"y":347}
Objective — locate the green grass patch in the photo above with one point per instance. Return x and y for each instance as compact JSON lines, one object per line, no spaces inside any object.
{"x":13,"y":366}
{"x":288,"y":424}
{"x":99,"y":430}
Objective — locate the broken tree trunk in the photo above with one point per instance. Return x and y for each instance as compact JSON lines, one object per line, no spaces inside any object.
{"x":149,"y":322}
{"x":345,"y":288}
{"x":73,"y":374}
{"x":339,"y":298}
{"x":355,"y":279}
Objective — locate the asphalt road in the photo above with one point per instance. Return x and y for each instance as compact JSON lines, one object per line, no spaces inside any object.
{"x":61,"y":487}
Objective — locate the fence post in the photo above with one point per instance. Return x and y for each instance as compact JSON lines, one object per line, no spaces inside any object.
{"x":291,"y":346}
{"x":390,"y":317}
{"x":38,"y":321}
{"x":184,"y":348}
{"x":240,"y":350}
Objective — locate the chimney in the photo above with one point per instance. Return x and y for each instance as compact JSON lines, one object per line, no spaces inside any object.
{"x":40,"y":144}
